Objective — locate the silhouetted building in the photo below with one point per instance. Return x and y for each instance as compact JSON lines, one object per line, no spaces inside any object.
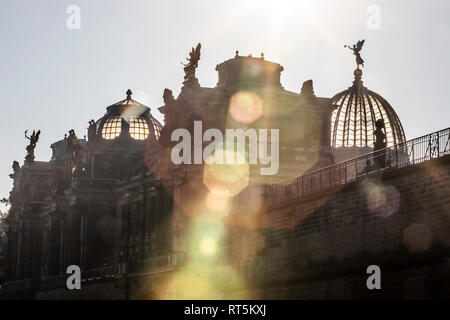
{"x":116,"y":204}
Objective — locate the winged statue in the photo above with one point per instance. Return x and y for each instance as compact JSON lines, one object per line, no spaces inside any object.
{"x":34,"y":138}
{"x":356,"y":48}
{"x":189,"y":68}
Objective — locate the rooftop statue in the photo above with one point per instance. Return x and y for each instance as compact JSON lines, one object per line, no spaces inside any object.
{"x":92,"y":130}
{"x":307,"y":88}
{"x":189,"y":68}
{"x":168,"y":97}
{"x":380,"y":143}
{"x":75,"y":150}
{"x":356,"y":49}
{"x":16,"y":168}
{"x":168,"y":109}
{"x":34,"y":138}
{"x":380,"y":137}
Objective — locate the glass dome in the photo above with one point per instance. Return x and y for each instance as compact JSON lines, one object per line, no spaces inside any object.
{"x":112,"y":128}
{"x":356,"y":111}
{"x":138,"y":128}
{"x":128,"y":118}
{"x":157,"y":127}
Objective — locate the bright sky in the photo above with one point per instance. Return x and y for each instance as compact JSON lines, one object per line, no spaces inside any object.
{"x":56,"y":79}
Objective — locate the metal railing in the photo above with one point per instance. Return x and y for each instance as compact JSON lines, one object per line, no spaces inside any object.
{"x":156,"y":263}
{"x":430,"y":146}
{"x":15,"y":286}
{"x":59,"y":280}
{"x":108,"y":272}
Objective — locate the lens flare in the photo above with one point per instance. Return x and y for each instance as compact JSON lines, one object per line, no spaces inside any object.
{"x":245,"y":107}
{"x":188,"y":285}
{"x":133,"y":111}
{"x":204,"y":238}
{"x":197,"y":281}
{"x":383,"y":201}
{"x":217,"y":201}
{"x":208,"y":246}
{"x":227,"y":179}
{"x":417,"y":238}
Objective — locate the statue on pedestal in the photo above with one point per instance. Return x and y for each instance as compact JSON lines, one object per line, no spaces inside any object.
{"x":356,"y":48}
{"x":189,"y":68}
{"x":16,"y":168}
{"x":34,"y":138}
{"x":75,"y":150}
{"x":92,"y":131}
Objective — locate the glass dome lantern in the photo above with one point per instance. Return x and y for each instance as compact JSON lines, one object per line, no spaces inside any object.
{"x":128,"y":119}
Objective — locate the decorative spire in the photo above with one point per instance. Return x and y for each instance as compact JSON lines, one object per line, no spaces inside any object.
{"x":129,"y":93}
{"x":357,"y":83}
{"x":237,"y":54}
{"x":262,"y":55}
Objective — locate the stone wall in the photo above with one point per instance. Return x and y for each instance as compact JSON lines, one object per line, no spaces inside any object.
{"x":398,"y":219}
{"x":319,"y":247}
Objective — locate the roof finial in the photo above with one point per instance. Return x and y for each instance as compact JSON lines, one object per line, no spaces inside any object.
{"x":356,"y":49}
{"x":129,"y":93}
{"x":262,"y":55}
{"x":237,"y":54}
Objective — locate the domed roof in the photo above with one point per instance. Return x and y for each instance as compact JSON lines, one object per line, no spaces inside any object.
{"x":128,"y":118}
{"x":357,"y":110}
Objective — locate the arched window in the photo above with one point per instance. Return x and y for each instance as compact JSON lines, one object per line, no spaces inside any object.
{"x":112,"y":128}
{"x":157,"y":127}
{"x":138,"y":129}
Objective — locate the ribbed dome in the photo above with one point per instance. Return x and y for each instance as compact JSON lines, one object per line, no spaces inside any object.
{"x":128,"y":118}
{"x":357,"y":110}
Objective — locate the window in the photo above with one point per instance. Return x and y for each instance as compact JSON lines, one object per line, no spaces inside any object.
{"x":157,"y":128}
{"x":138,"y":128}
{"x":112,"y":128}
